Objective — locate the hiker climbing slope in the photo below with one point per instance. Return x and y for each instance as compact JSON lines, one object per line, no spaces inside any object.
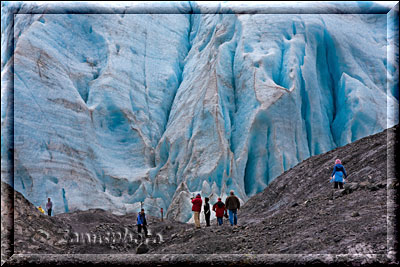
{"x":337,"y":175}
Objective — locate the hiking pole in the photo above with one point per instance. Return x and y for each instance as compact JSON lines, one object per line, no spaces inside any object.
{"x":162,"y":217}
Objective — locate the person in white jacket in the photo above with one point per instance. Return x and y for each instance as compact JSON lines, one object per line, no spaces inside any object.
{"x":49,"y":206}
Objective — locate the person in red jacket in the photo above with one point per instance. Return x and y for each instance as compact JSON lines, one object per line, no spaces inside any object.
{"x":197,"y":209}
{"x":220,"y":210}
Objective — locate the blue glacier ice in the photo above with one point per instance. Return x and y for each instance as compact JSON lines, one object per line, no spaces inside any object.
{"x":116,"y":106}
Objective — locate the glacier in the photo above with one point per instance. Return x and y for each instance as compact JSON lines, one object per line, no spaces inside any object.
{"x":115,"y":106}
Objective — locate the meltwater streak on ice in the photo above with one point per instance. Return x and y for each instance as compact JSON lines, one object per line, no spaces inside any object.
{"x":116,"y":109}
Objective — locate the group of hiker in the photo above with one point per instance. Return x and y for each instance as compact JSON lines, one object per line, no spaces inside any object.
{"x":221,"y":209}
{"x":49,"y":207}
{"x":232,"y":204}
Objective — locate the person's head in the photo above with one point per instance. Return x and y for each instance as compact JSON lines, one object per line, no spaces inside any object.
{"x":206,"y":199}
{"x":142,"y":211}
{"x":338,"y":161}
{"x":198,"y":195}
{"x":232,"y":192}
{"x":40,"y":207}
{"x":219,"y":199}
{"x":48,"y":200}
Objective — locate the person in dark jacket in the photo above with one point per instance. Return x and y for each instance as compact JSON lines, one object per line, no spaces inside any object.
{"x":196,"y":208}
{"x":142,"y":223}
{"x":232,"y":204}
{"x":337,"y":175}
{"x":207,"y":212}
{"x":219,"y":209}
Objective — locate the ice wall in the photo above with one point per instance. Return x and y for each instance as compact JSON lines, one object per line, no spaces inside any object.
{"x":110,"y":110}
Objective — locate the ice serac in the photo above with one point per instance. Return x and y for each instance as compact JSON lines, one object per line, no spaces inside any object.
{"x":262,"y":92}
{"x":115,"y":109}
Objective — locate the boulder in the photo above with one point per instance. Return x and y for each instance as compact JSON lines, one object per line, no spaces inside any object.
{"x":142,"y":249}
{"x":350,"y":187}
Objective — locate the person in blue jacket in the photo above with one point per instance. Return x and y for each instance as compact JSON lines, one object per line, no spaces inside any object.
{"x":141,"y":223}
{"x":337,"y":175}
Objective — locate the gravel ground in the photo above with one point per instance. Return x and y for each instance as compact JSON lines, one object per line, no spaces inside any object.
{"x":301,"y":213}
{"x":298,"y":215}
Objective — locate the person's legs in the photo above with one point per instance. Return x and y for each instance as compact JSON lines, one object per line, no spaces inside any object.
{"x":49,"y":212}
{"x":139,"y":230}
{"x":336,"y":185}
{"x":140,"y":236}
{"x":340,"y":185}
{"x":197,"y":219}
{"x":220,"y":220}
{"x":235,"y":217}
{"x":145,"y":230}
{"x":231,"y":217}
{"x":208,"y":219}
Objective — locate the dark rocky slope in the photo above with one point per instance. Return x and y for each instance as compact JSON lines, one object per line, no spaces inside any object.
{"x":93,"y":231}
{"x":301,"y":213}
{"x":298,"y":213}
